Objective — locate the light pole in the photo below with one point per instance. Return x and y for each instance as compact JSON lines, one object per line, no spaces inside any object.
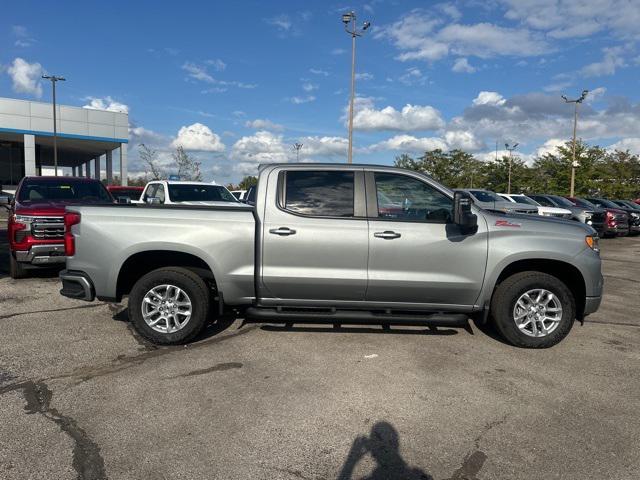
{"x":54,"y":80}
{"x":510,"y":148}
{"x":350,"y":18}
{"x":574,"y":163}
{"x":297,"y":147}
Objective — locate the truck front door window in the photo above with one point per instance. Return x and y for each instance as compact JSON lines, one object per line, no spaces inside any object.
{"x":319,"y":193}
{"x":405,"y":198}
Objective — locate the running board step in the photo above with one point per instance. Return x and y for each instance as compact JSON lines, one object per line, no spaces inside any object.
{"x":282,"y":315}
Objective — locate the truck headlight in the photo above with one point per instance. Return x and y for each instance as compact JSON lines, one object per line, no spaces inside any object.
{"x":593,"y":242}
{"x":23,"y":218}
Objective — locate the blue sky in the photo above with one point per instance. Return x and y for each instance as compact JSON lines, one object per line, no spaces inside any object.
{"x":237,"y":83}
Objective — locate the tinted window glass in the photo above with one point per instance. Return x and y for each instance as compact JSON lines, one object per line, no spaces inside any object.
{"x":68,"y":191}
{"x":131,"y":193}
{"x":560,"y":201}
{"x":325,"y":194}
{"x":405,"y":198}
{"x":483,"y":196}
{"x":200,"y":193}
{"x":160,"y":192}
{"x":581,"y":202}
{"x":543,"y":201}
{"x":523,"y":199}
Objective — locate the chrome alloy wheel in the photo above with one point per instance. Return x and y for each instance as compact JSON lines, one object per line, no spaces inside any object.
{"x":537,"y":312}
{"x":166,"y":308}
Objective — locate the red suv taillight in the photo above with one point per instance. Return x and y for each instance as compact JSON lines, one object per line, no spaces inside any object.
{"x":70,"y":219}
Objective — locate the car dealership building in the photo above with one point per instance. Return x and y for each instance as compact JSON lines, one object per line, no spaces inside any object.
{"x":85,"y":136}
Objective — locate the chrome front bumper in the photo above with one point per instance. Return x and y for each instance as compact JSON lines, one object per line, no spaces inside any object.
{"x":42,"y":254}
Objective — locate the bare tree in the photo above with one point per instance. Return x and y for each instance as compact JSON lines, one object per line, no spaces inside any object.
{"x":149,"y":157}
{"x":188,"y":167}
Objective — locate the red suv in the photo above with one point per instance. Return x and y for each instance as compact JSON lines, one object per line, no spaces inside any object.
{"x":36,"y":228}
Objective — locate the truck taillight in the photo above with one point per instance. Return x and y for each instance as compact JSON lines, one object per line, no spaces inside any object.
{"x":70,"y":219}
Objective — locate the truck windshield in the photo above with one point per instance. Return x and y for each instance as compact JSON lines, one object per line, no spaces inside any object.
{"x":484,"y":196}
{"x":37,"y":190}
{"x":200,"y":193}
{"x":561,"y":201}
{"x":132,"y":193}
{"x":525,"y":199}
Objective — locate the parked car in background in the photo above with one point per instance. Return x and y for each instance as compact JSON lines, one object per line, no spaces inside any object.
{"x":124,"y":194}
{"x":320,"y":246}
{"x":628,"y":204}
{"x":36,"y":227}
{"x":492,"y":201}
{"x":616,"y":221}
{"x":239,"y":194}
{"x":542,"y":210}
{"x":592,"y":216}
{"x":172,"y":192}
{"x":633,"y":217}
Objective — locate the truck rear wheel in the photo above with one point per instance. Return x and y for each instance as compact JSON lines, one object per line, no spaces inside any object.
{"x":16,"y":270}
{"x":169,"y":305}
{"x":533,"y":310}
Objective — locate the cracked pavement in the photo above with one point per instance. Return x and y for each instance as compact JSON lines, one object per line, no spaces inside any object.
{"x":83,"y":397}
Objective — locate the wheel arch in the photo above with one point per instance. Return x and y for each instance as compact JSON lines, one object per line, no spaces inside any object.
{"x":570,"y":275}
{"x":140,"y":263}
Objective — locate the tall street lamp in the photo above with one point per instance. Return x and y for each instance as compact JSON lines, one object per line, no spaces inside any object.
{"x":297,"y":147}
{"x":54,"y":80}
{"x":574,"y":163}
{"x":350,"y":18}
{"x":510,"y":148}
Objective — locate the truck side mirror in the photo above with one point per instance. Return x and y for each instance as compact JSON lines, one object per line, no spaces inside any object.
{"x":153,"y":200}
{"x":462,"y":215}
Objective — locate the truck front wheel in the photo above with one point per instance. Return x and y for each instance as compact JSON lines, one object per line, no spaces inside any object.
{"x":533,"y":310}
{"x":16,"y":270}
{"x":169,"y":305}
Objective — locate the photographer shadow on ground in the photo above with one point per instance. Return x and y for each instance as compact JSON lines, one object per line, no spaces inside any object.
{"x":383,"y":444}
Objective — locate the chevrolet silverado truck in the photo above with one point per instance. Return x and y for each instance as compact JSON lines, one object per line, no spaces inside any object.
{"x":342,"y":244}
{"x":35,"y":224}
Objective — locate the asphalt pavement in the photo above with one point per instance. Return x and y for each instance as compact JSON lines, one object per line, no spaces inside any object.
{"x":82,"y":396}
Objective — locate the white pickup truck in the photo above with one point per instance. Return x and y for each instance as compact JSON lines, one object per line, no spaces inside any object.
{"x":178,"y":192}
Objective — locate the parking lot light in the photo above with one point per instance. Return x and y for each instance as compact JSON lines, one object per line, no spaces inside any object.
{"x":574,"y":163}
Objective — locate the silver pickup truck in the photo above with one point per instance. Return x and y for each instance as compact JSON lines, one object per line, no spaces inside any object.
{"x":340,"y":244}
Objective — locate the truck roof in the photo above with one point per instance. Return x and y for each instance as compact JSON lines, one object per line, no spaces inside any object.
{"x":183,"y":182}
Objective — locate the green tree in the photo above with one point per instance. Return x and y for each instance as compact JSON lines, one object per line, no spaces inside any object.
{"x":455,"y":169}
{"x":248,"y":181}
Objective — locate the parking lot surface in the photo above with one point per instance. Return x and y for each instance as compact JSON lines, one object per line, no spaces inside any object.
{"x":82,"y":396}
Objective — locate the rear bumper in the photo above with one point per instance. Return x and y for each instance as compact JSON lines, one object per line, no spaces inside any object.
{"x":48,"y":254}
{"x":77,"y":285}
{"x":591,"y":304}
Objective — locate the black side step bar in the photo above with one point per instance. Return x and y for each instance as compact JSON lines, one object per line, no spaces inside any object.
{"x":281,"y":315}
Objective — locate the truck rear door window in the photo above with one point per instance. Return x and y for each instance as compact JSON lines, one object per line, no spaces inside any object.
{"x":319,"y":193}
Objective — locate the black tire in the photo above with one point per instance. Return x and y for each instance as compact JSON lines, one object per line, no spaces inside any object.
{"x":182,"y":278}
{"x":507,"y":294}
{"x":16,"y":270}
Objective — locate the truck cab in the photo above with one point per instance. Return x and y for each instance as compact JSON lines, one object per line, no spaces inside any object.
{"x":180,"y":192}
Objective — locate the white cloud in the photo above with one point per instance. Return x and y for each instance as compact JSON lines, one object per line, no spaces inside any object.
{"x":409,"y":143}
{"x":25,"y":77}
{"x":549,"y":146}
{"x":138,"y":135}
{"x":218,"y":64}
{"x":632,"y":144}
{"x":317,"y":71}
{"x":364,"y":76}
{"x":300,"y":100}
{"x":198,"y":137}
{"x":423,"y":36}
{"x":22,"y":36}
{"x":197,"y":72}
{"x":410,"y":118}
{"x":263,"y":124}
{"x":463,"y":140}
{"x":200,"y":73}
{"x":612,"y":60}
{"x":412,"y":76}
{"x":489,"y":98}
{"x":338,"y":51}
{"x":281,"y":22}
{"x":309,"y":87}
{"x":461,"y":65}
{"x":106,"y":103}
{"x":323,"y":146}
{"x":262,"y":147}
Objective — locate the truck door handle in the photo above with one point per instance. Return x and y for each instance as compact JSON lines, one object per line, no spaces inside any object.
{"x":387,"y":235}
{"x":282,"y":231}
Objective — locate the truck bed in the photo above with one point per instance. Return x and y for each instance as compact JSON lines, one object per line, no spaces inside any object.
{"x":109,"y":235}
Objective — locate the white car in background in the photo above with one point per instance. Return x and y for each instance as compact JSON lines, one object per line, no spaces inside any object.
{"x":542,"y":210}
{"x":178,"y":192}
